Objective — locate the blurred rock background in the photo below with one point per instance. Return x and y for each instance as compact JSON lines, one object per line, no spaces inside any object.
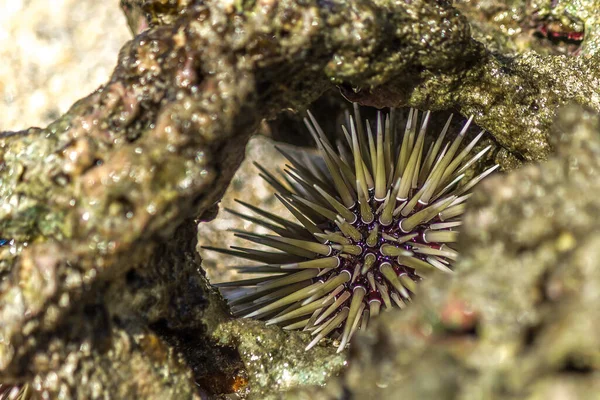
{"x":53,"y":53}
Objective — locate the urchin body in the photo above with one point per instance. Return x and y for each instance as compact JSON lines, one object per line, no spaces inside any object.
{"x":375,"y":214}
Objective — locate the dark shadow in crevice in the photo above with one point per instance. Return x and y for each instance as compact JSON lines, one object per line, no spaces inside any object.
{"x":216,"y":369}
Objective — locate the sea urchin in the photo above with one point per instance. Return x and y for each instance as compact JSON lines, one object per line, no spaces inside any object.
{"x":375,"y":215}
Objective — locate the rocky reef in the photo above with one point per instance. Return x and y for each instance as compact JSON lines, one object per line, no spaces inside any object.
{"x":102,"y":291}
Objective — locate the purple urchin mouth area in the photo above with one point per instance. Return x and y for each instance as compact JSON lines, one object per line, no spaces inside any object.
{"x":376,"y":214}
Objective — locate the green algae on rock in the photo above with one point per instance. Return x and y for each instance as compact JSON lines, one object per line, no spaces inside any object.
{"x":276,"y":360}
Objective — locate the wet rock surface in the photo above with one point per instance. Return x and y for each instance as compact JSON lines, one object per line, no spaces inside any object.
{"x":102,"y":293}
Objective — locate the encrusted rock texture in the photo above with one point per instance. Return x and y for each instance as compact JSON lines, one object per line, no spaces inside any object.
{"x":102,"y":291}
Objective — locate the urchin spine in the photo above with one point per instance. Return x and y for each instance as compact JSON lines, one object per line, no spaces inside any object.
{"x":376,"y":216}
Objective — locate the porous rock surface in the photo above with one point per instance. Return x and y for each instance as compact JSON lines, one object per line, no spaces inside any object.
{"x":102,"y":294}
